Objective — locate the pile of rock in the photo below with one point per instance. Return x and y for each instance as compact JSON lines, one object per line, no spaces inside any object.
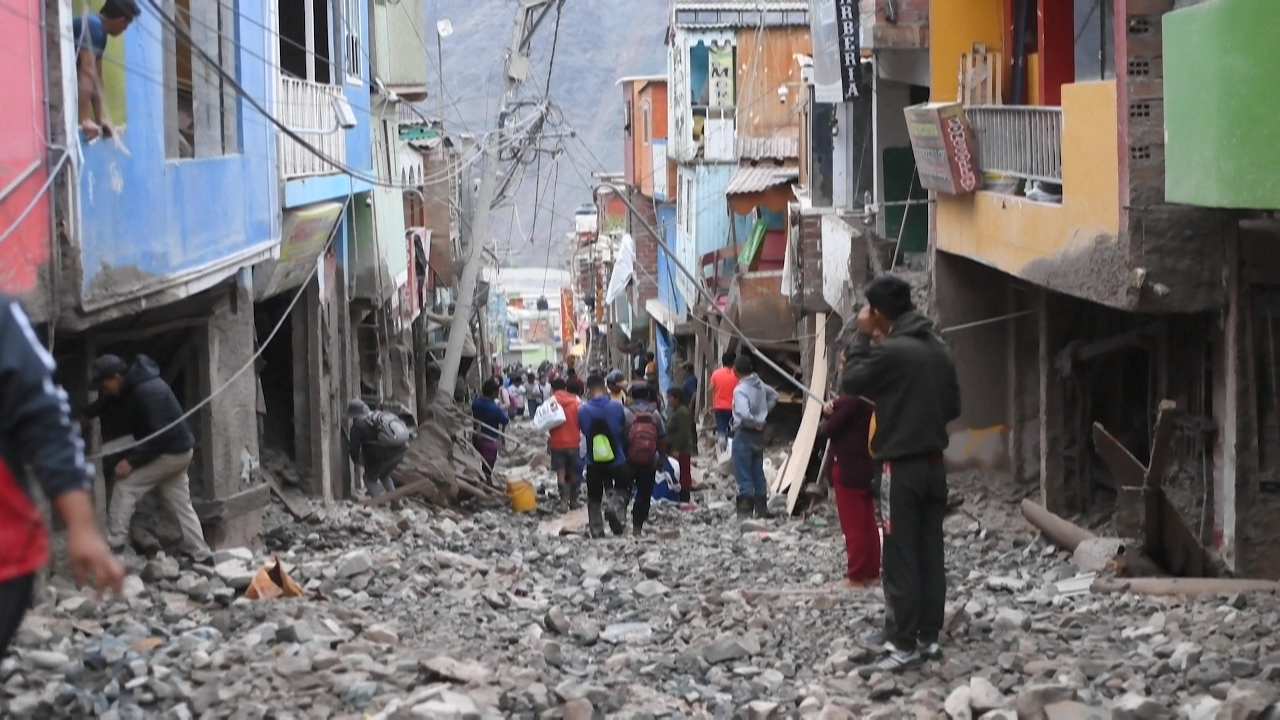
{"x":430,"y":613}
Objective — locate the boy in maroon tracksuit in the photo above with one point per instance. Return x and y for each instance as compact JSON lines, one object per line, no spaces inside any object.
{"x":847,"y":426}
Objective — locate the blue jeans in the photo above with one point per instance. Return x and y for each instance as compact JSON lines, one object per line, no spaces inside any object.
{"x":748,"y":463}
{"x":724,"y":418}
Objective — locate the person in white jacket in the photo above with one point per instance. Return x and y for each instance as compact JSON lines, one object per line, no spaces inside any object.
{"x":752,"y":402}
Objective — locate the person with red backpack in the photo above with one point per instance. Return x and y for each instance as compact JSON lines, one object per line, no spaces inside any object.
{"x":645,"y":431}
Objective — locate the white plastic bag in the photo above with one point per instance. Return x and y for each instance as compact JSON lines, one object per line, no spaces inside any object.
{"x":549,"y":416}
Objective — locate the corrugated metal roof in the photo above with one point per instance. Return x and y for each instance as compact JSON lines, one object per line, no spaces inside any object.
{"x":743,"y":4}
{"x":739,"y":13}
{"x":758,"y":178}
{"x":772,"y":147}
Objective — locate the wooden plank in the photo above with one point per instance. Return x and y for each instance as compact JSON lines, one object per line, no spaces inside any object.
{"x":279,"y":492}
{"x":1129,"y":476}
{"x":802,"y":448}
{"x":776,"y":486}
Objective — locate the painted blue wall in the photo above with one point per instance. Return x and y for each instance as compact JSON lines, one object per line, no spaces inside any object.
{"x":711,"y":226}
{"x":146,"y":219}
{"x":668,"y":271}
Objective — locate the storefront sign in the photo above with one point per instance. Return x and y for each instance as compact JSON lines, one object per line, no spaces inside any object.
{"x":847,"y":22}
{"x":567,"y":332}
{"x":942,"y":141}
{"x":304,"y":234}
{"x":720,"y":65}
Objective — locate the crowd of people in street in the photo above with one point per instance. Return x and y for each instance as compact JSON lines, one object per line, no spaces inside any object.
{"x":886,"y":429}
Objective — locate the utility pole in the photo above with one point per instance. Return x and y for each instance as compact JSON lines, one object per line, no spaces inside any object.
{"x":529,"y":16}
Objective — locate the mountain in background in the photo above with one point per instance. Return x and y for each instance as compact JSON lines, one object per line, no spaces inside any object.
{"x":599,"y":42}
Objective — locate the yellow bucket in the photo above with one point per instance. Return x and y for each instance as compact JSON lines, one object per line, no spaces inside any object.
{"x":523,"y":498}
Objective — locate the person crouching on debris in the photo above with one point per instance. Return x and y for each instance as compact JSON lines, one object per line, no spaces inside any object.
{"x":160,"y":456}
{"x":912,"y":377}
{"x":379,"y":441}
{"x":681,"y":440}
{"x":645,"y":434}
{"x":847,"y":426}
{"x":563,"y":445}
{"x":602,"y":421}
{"x":490,"y":420}
{"x":36,"y":432}
{"x":752,"y":402}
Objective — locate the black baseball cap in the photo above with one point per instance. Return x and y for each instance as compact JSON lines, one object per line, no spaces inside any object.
{"x":108,"y":366}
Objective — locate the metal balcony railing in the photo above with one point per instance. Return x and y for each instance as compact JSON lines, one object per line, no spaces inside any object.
{"x":1025,"y":141}
{"x":308,"y":108}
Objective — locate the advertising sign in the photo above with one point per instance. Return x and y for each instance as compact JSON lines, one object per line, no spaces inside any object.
{"x":304,"y":234}
{"x":946,"y":156}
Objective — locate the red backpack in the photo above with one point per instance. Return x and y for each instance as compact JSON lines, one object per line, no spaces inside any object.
{"x":642,"y":440}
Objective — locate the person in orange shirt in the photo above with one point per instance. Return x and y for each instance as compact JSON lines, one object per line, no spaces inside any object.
{"x":563,"y":445}
{"x":723,"y":381}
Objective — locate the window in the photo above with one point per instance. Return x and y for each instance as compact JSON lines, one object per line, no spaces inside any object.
{"x":351,"y":46}
{"x":305,"y":51}
{"x":646,"y":127}
{"x":201,"y":112}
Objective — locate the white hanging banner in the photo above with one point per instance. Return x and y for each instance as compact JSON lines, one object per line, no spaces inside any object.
{"x":623,"y":269}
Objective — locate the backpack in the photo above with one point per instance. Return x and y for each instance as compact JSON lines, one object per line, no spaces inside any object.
{"x":601,"y":449}
{"x":389,"y":431}
{"x":642,"y":440}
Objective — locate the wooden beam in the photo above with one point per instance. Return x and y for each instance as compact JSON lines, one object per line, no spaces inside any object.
{"x":807,"y":436}
{"x":242,"y":503}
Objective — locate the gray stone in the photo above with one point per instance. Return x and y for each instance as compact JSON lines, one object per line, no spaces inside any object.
{"x":556,"y":621}
{"x":725,"y":649}
{"x":651,"y":588}
{"x":1032,"y":699}
{"x":957,"y":704}
{"x":161,"y":567}
{"x":1072,"y":710}
{"x":984,"y":696}
{"x":354,"y":563}
{"x":1133,"y":706}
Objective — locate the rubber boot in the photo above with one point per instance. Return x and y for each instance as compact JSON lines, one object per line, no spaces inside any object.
{"x":562,"y":504}
{"x":760,"y":507}
{"x":685,"y":497}
{"x":637,"y":527}
{"x":574,"y":501}
{"x":744,"y":506}
{"x":595,"y":519}
{"x":614,"y":511}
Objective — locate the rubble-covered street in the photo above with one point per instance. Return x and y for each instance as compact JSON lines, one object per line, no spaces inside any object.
{"x":422,"y":612}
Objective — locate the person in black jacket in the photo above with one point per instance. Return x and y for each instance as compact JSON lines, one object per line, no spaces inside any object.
{"x":36,"y":431}
{"x":161,"y":453}
{"x":912,"y":377}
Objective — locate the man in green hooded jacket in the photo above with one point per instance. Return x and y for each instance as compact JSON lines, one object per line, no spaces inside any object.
{"x":911,"y":376}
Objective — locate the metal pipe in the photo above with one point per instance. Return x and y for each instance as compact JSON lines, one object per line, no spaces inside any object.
{"x":988,"y":321}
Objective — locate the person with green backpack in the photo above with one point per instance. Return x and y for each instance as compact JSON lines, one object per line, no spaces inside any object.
{"x":603,"y":420}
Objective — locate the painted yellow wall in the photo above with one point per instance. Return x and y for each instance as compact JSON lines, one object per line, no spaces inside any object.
{"x":954,"y":27}
{"x":1010,"y":232}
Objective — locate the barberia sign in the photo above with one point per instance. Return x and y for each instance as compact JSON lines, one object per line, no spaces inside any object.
{"x":942,"y":141}
{"x":850,"y":53}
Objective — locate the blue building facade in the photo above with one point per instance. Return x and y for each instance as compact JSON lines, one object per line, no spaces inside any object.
{"x":185,"y":194}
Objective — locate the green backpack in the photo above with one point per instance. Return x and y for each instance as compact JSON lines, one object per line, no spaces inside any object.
{"x":602,"y":450}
